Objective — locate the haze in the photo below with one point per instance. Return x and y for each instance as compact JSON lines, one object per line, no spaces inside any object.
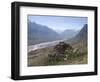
{"x":60,"y":23}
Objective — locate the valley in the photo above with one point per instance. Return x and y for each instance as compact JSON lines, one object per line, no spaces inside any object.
{"x":47,"y":47}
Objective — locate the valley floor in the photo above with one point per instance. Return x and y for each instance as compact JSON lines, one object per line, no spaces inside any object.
{"x":40,"y":58}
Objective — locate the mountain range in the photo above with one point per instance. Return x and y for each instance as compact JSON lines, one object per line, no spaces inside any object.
{"x":38,"y":33}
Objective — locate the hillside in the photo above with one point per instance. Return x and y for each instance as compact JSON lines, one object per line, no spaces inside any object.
{"x":82,"y":35}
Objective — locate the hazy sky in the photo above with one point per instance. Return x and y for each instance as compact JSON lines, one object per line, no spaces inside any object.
{"x":60,"y":23}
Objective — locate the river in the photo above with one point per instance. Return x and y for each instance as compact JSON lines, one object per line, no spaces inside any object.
{"x":43,"y":45}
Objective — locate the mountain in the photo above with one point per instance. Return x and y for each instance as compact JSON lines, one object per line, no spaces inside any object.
{"x":80,"y":39}
{"x":39,"y":33}
{"x":82,"y":35}
{"x":67,"y":34}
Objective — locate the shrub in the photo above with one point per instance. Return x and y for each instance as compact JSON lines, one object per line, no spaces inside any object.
{"x":60,"y":52}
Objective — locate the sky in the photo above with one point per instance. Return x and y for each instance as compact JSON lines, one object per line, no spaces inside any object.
{"x":60,"y":23}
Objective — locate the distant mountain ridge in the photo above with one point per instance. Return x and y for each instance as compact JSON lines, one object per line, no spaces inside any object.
{"x":69,"y":33}
{"x":38,"y":33}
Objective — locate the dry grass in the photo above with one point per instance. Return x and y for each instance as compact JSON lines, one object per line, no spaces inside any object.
{"x":40,"y":58}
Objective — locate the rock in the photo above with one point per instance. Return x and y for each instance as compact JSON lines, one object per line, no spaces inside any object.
{"x":62,"y":47}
